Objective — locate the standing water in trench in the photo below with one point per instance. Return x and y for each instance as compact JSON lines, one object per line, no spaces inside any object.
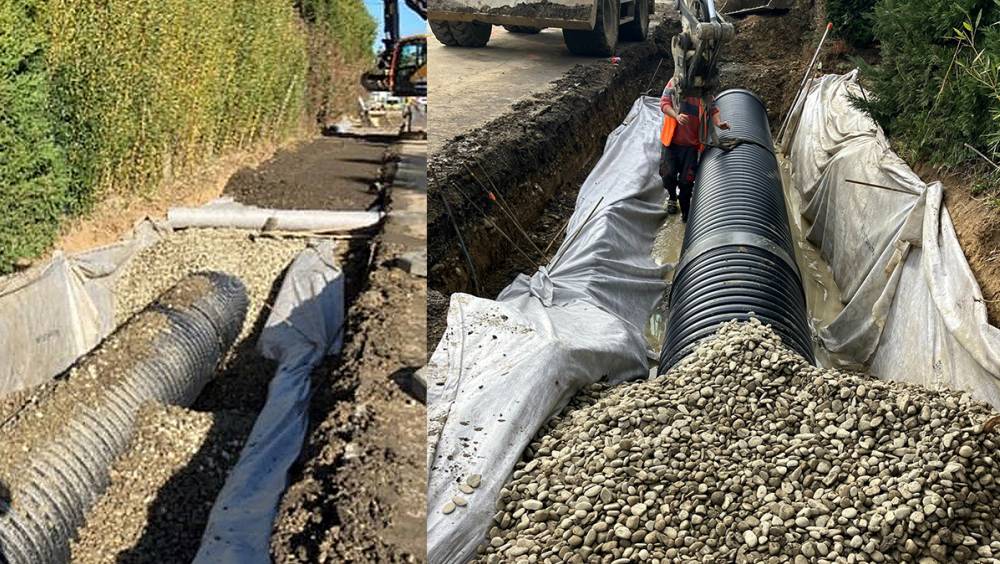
{"x":822,"y":292}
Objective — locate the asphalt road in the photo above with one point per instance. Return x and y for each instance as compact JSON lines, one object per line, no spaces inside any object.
{"x":470,"y":87}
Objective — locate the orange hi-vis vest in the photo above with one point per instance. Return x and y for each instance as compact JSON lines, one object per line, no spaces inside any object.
{"x":670,"y":124}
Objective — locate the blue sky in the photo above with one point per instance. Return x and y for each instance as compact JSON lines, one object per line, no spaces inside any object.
{"x":409,"y":22}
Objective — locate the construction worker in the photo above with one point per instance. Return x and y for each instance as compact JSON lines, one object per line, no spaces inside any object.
{"x":681,"y":146}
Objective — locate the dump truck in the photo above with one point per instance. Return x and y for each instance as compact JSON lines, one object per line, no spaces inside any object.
{"x":590,"y":27}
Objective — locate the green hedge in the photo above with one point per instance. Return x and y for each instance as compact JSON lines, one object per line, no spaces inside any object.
{"x":925,"y":95}
{"x":345,"y":22}
{"x":852,"y":20}
{"x":117,"y":96}
{"x":33,"y":178}
{"x":340,"y":49}
{"x":149,"y":87}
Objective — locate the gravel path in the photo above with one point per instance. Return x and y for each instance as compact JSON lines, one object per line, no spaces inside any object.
{"x":746,"y":453}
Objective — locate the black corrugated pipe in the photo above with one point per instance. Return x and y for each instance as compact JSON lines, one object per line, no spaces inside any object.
{"x":738,"y":256}
{"x":57,"y":460}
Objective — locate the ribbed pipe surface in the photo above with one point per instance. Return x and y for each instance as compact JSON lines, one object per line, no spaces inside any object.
{"x":55,"y":482}
{"x":738,"y":256}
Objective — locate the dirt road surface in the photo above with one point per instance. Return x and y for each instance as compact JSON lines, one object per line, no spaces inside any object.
{"x":512,"y":67}
{"x":325,"y":173}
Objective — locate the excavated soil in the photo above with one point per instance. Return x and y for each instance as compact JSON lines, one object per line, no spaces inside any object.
{"x":977,"y":223}
{"x":326,"y":173}
{"x":359,"y":492}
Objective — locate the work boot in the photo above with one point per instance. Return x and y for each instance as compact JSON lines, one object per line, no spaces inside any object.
{"x":672,"y":207}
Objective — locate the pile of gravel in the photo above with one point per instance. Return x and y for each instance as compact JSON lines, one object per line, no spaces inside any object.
{"x":162,"y":488}
{"x":745,"y":452}
{"x":257,"y":261}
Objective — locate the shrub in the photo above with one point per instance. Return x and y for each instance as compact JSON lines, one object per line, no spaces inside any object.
{"x":853,"y":20}
{"x":922,"y":97}
{"x":32,"y":167}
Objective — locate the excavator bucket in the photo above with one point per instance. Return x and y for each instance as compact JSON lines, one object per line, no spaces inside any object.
{"x":376,"y":80}
{"x":742,"y":8}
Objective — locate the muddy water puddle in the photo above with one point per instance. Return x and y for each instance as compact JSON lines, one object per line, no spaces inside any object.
{"x":822,"y":293}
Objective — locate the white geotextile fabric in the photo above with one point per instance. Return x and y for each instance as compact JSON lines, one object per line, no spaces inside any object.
{"x":913,"y":310}
{"x":54,"y":313}
{"x":504,"y":367}
{"x":305,"y":325}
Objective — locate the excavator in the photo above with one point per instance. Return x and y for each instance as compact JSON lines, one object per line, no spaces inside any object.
{"x":695,"y":51}
{"x":402,"y":63}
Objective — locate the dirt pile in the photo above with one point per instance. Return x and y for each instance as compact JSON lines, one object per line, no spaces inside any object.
{"x":744,"y":452}
{"x":326,"y":173}
{"x":360,"y":493}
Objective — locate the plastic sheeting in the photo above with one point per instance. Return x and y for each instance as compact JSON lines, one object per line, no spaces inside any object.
{"x":305,"y":324}
{"x":226,"y":213}
{"x":504,"y":367}
{"x":37,"y":345}
{"x":913,"y":310}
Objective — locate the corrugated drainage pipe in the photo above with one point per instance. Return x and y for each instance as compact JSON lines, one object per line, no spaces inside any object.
{"x":58,"y":458}
{"x":738,"y":256}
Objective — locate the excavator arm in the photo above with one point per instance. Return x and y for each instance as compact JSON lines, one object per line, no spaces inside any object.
{"x":695,"y":51}
{"x":696,"y":48}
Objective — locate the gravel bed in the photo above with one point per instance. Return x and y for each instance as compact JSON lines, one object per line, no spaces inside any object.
{"x":162,"y":488}
{"x":746,"y":453}
{"x":257,"y":261}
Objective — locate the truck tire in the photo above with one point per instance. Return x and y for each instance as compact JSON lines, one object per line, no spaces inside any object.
{"x":522,"y":29}
{"x":462,"y":34}
{"x":600,"y":41}
{"x":637,"y":29}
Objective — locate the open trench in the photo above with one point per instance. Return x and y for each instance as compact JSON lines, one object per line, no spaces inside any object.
{"x":536,"y":157}
{"x":163,"y":486}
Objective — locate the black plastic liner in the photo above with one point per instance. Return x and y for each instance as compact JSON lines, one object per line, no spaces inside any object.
{"x":65,"y":475}
{"x":738,"y":257}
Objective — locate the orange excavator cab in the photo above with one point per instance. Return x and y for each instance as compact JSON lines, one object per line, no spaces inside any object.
{"x":402,"y":64}
{"x":405,"y":73}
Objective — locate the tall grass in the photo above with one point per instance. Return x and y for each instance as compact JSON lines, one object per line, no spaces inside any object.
{"x":145,"y":88}
{"x":102,"y":97}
